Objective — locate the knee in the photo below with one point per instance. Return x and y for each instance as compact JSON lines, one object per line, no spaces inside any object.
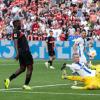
{"x":22,"y":69}
{"x":30,"y":68}
{"x":64,"y":64}
{"x":63,"y":67}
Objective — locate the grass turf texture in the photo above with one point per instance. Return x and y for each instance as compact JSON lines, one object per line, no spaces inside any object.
{"x":46,"y":83}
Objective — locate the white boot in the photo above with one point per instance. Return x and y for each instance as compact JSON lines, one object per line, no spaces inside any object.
{"x":46,"y":64}
{"x":51,"y":67}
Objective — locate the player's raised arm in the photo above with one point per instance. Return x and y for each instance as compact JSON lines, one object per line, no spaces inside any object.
{"x":74,"y":48}
{"x":75,"y":45}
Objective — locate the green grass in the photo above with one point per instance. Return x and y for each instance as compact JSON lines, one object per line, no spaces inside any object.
{"x":42,"y":77}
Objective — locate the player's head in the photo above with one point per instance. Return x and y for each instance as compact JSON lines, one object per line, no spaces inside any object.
{"x":51,"y":33}
{"x":83,"y":34}
{"x":17,"y":23}
{"x":76,"y":57}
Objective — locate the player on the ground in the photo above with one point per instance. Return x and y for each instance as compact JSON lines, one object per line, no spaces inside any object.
{"x":78,"y":67}
{"x":50,"y":46}
{"x":22,"y":54}
{"x":90,"y":82}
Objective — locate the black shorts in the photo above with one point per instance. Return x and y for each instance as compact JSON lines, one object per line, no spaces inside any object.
{"x":25,"y":59}
{"x":51,"y":53}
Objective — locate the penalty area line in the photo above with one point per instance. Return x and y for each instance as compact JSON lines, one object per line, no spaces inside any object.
{"x":40,"y":86}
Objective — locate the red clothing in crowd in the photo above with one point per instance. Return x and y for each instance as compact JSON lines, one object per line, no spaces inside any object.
{"x":17,"y":2}
{"x":35,"y":37}
{"x":97,"y":32}
{"x":62,"y":37}
{"x":44,"y":36}
{"x":35,"y":27}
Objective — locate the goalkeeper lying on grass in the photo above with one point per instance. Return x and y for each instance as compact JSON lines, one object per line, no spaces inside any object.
{"x":90,"y":82}
{"x":78,"y":68}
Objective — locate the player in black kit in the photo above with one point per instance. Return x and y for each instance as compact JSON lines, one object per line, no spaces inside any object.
{"x":50,"y":46}
{"x":22,"y":54}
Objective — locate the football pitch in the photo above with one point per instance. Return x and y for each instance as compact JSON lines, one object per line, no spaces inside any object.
{"x":46,"y":83}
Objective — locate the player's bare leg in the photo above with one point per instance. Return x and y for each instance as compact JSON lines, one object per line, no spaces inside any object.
{"x":51,"y":62}
{"x":14,"y":75}
{"x":28,"y":77}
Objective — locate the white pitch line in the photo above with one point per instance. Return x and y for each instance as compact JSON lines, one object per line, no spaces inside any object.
{"x":18,"y":64}
{"x":52,"y":93}
{"x":13,"y":90}
{"x":36,"y":87}
{"x":50,"y":85}
{"x":10,"y":89}
{"x":36,"y":62}
{"x":7,"y":64}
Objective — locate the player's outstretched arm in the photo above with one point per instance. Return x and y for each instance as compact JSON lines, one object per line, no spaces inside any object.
{"x":75,"y":78}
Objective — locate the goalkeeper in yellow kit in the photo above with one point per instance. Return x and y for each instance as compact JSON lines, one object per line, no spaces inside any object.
{"x":90,"y":77}
{"x":90,"y":82}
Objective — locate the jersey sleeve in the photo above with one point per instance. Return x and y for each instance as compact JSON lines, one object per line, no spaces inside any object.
{"x":73,"y":67}
{"x":76,"y":67}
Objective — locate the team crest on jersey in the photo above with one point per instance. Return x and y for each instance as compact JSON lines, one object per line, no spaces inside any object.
{"x":15,"y":35}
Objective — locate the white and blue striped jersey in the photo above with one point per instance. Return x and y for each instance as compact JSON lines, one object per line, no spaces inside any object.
{"x":81,"y":69}
{"x":81,"y":44}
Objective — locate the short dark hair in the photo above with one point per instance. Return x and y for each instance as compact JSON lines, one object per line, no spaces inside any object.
{"x":50,"y":31}
{"x":75,"y":55}
{"x":17,"y":24}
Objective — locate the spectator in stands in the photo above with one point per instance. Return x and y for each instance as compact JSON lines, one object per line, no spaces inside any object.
{"x":41,"y":16}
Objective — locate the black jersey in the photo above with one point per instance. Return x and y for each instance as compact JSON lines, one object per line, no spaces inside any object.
{"x":50,"y":45}
{"x":22,"y":41}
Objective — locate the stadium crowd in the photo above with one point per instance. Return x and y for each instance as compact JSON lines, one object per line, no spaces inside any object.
{"x":66,"y":18}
